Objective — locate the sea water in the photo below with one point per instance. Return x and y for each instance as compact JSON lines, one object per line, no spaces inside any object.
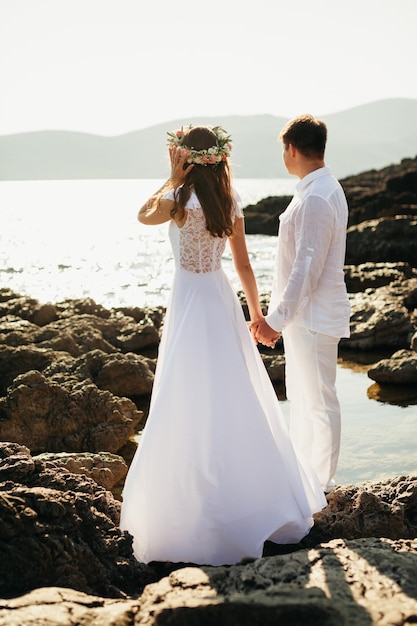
{"x":79,"y":239}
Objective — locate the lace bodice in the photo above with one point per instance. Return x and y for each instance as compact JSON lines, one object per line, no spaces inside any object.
{"x":194,"y":248}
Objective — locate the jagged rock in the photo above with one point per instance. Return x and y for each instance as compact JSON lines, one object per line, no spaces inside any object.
{"x":17,"y":361}
{"x":27,"y":308}
{"x":59,"y":528}
{"x":112,"y":333}
{"x":399,"y":369}
{"x":57,"y":606}
{"x":82,"y":306}
{"x":373,"y":275}
{"x":106,"y":469}
{"x":125,"y":375}
{"x":46,"y":416}
{"x":368,"y":582}
{"x":263,"y":217}
{"x":375,"y":509}
{"x":389,"y":191}
{"x":156,"y":314}
{"x":383,"y":239}
{"x":77,"y":326}
{"x":357,"y":583}
{"x":381,"y":317}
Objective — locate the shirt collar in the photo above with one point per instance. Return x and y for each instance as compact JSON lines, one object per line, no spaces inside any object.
{"x":304,"y":182}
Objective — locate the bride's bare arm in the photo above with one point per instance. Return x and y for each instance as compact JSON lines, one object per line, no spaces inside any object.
{"x":157,"y":210}
{"x":244,"y":269}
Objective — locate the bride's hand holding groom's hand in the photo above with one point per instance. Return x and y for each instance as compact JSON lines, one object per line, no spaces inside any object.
{"x":263,"y":333}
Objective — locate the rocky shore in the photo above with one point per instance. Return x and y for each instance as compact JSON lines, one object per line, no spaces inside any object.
{"x":75,"y":384}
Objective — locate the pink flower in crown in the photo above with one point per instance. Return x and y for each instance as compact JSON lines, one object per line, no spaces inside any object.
{"x":212,"y":159}
{"x":179,"y":133}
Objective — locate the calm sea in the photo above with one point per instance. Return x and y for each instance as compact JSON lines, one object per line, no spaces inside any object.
{"x":77,"y":239}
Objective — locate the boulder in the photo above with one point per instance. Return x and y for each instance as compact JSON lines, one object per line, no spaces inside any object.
{"x":373,"y":275}
{"x":122,"y":374}
{"x":108,"y":470}
{"x":374,"y":509}
{"x":364,"y":582}
{"x":399,"y":369}
{"x":385,"y":239}
{"x":380,"y":318}
{"x":387,"y":192}
{"x":60,"y":528}
{"x":64,"y":560}
{"x":48,"y":417}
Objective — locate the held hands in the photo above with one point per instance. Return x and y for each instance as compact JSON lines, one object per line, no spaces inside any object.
{"x":179,"y":166}
{"x":263,"y":333}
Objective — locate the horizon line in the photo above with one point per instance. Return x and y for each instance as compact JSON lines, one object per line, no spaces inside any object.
{"x":177,"y":120}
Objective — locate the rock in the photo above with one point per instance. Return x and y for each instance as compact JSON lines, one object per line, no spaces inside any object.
{"x":27,"y":308}
{"x":59,"y":532}
{"x":341,"y":583}
{"x":122,"y":374}
{"x":106,"y":469}
{"x":78,"y":326}
{"x":389,"y":191}
{"x":262,"y":217}
{"x":357,"y":583}
{"x":399,"y":369}
{"x":380,"y":318}
{"x":71,"y":307}
{"x":155,"y":314}
{"x":373,"y":275}
{"x":375,"y":509}
{"x":76,"y":376}
{"x":46,"y":416}
{"x":389,"y":239}
{"x":17,"y":361}
{"x":59,"y":528}
{"x":57,"y":606}
{"x":125,"y":375}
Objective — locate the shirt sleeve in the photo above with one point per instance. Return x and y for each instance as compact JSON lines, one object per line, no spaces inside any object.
{"x":313,"y":225}
{"x":169,"y":195}
{"x":238,"y":204}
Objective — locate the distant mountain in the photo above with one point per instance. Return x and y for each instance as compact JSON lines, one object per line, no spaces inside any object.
{"x":367,"y":137}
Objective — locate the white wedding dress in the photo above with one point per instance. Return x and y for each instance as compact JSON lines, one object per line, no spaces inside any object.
{"x":215,"y":473}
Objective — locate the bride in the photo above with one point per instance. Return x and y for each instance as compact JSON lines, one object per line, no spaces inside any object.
{"x":215,"y":474}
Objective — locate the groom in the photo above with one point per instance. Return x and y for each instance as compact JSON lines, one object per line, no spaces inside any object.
{"x":309,"y":304}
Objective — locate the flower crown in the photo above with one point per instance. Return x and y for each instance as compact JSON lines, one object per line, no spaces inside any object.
{"x":211,"y":156}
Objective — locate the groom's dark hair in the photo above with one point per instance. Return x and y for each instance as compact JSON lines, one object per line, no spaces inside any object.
{"x":307,"y":134}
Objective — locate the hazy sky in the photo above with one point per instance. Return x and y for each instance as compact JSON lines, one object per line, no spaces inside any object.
{"x":112,"y":66}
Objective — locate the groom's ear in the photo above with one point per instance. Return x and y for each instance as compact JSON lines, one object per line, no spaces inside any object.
{"x":292,"y":150}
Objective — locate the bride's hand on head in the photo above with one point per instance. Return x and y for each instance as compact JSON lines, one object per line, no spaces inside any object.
{"x":179,"y":166}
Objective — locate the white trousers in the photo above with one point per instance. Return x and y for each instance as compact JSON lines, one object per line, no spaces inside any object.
{"x":310,"y":378}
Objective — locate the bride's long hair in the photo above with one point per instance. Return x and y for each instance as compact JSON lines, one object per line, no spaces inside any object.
{"x":211,"y":183}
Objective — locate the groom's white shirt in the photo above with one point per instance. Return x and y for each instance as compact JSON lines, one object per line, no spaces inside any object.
{"x":308,"y":286}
